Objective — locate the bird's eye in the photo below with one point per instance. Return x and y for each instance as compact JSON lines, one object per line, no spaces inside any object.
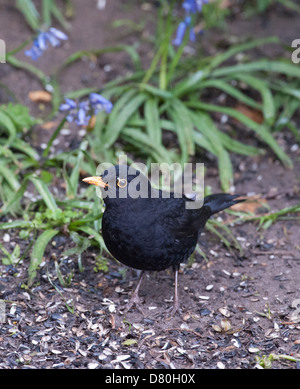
{"x":121,"y":182}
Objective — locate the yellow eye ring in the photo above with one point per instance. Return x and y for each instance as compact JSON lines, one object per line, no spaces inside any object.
{"x":122,"y":183}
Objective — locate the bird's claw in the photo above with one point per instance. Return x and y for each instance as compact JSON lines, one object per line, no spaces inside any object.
{"x":135,"y":300}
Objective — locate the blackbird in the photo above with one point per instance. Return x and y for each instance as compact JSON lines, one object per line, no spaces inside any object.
{"x":146,"y":229}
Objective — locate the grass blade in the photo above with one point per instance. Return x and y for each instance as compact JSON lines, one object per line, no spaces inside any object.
{"x":184,"y":128}
{"x":38,"y":253}
{"x":15,"y":224}
{"x":118,"y":121}
{"x":239,"y":48}
{"x":74,"y":178}
{"x":15,"y":200}
{"x":6,"y":122}
{"x":43,"y":190}
{"x":9,"y":177}
{"x":266,"y":94}
{"x":54,"y":136}
{"x":262,"y":65}
{"x":206,"y":126}
{"x":230,"y":90}
{"x":30,"y":13}
{"x":151,"y":114}
{"x":28,"y":67}
{"x":142,"y":141}
{"x":94,"y":235}
{"x":260,"y":130}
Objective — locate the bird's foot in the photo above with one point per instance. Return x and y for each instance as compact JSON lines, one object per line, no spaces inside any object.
{"x":135,"y":300}
{"x":174,"y":310}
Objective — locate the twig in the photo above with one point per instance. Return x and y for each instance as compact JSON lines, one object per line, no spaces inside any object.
{"x":186,"y":330}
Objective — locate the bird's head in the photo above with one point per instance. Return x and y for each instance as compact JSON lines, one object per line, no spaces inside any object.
{"x":120,"y":182}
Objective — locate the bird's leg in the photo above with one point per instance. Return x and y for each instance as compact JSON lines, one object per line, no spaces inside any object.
{"x":176,"y":306}
{"x":176,"y":298}
{"x":135,"y":296}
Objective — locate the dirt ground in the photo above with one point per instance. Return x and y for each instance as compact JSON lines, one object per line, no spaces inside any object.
{"x":236,"y":310}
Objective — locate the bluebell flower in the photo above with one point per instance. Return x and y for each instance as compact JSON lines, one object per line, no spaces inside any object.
{"x":193,"y":6}
{"x":40,"y":44}
{"x":81,"y":112}
{"x":55,"y":36}
{"x":181,"y":31}
{"x":69,"y":106}
{"x":83,"y":118}
{"x":35,"y":52}
{"x":100,"y":103}
{"x":190,"y":7}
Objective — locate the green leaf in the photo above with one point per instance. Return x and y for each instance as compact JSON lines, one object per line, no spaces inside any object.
{"x":10,"y":177}
{"x":230,"y":90}
{"x":58,"y":15}
{"x":43,"y":190}
{"x":153,"y":120}
{"x":263,"y":65}
{"x":206,"y":126}
{"x":78,"y":55}
{"x":143,"y":142}
{"x":260,"y":130}
{"x":20,"y":115}
{"x":240,"y":48}
{"x":190,"y":84}
{"x":38,"y":253}
{"x":7,"y":123}
{"x":16,"y":198}
{"x":72,"y":182}
{"x":129,"y":342}
{"x":28,"y":67}
{"x":11,"y":258}
{"x":25,"y":148}
{"x":184,"y":128}
{"x":30,"y":13}
{"x":163,"y":94}
{"x":15,"y":224}
{"x":266,"y":94}
{"x":96,"y":236}
{"x":121,"y":114}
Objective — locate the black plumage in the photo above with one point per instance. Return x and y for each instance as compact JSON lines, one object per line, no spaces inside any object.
{"x":144,"y":229}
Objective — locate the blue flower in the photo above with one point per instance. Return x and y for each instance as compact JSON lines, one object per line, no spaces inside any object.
{"x":100,"y":103}
{"x":193,"y":6}
{"x":35,"y":52}
{"x":68,"y":105}
{"x":40,"y":44}
{"x":81,"y":112}
{"x":83,"y":118}
{"x":190,"y":7}
{"x":181,"y":31}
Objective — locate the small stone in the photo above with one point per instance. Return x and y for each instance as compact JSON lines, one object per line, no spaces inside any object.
{"x":224,"y":311}
{"x":253,"y":350}
{"x":203,"y":297}
{"x":204,"y":312}
{"x":6,"y":238}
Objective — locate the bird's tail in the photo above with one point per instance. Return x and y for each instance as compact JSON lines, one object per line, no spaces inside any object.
{"x":220,"y":201}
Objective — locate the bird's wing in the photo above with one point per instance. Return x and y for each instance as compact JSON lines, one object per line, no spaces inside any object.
{"x":181,"y":220}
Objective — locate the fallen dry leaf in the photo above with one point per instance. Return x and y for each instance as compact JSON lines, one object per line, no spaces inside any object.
{"x":49,"y":125}
{"x":250,"y":205}
{"x":251,"y":113}
{"x":40,"y":96}
{"x":224,"y":3}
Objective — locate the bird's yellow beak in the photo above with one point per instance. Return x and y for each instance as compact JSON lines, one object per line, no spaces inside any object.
{"x":96,"y":181}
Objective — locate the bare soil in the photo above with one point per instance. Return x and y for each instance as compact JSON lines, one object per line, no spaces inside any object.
{"x":236,"y":309}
